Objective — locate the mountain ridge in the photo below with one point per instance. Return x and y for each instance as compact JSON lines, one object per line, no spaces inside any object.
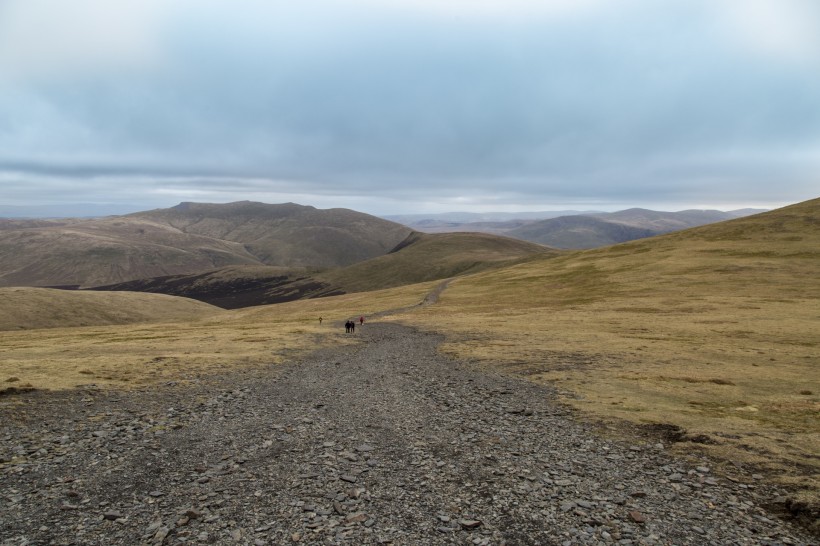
{"x":187,"y":239}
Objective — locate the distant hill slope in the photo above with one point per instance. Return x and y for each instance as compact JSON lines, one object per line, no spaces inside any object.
{"x":419,"y":220}
{"x":7,"y":224}
{"x":497,"y":223}
{"x":287,"y":234}
{"x":664,"y":222}
{"x":34,"y":308}
{"x":495,"y":228}
{"x":426,"y":257}
{"x":771,"y":253}
{"x":555,"y":230}
{"x":608,"y":228}
{"x":578,"y":232}
{"x":190,"y":238}
{"x":420,"y":257}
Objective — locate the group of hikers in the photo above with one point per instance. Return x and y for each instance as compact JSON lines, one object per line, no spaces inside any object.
{"x":350,"y":325}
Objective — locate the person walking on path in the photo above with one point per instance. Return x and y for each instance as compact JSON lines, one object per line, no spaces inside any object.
{"x":347,"y":327}
{"x":320,"y":321}
{"x":361,"y":320}
{"x":352,"y":326}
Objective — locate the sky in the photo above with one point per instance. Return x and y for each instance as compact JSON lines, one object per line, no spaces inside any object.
{"x":410,"y":106}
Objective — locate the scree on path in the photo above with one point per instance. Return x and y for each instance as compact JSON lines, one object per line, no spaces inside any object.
{"x":386,"y":442}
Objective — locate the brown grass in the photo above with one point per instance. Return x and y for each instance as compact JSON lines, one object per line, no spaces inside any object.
{"x":434,"y":256}
{"x":122,"y":356}
{"x":25,"y":308}
{"x":713,"y":329}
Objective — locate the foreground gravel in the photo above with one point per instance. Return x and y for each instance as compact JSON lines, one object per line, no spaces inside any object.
{"x":383,"y":443}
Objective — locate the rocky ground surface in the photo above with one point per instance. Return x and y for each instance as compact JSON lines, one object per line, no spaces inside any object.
{"x":386,"y":442}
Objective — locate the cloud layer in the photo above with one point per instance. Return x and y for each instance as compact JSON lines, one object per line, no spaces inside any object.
{"x":481,"y":105}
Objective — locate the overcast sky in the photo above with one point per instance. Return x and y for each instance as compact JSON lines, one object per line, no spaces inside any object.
{"x":402,"y":106}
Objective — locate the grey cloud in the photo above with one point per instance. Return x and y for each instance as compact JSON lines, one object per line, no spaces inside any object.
{"x":635,"y":105}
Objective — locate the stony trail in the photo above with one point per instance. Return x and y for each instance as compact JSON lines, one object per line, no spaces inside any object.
{"x":386,"y":442}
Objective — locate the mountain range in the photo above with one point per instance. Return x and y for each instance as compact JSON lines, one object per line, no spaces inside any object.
{"x":240,"y":254}
{"x":247,"y":253}
{"x":572,"y":229}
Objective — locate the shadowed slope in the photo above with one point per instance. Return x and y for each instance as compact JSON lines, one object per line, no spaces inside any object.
{"x":235,"y":287}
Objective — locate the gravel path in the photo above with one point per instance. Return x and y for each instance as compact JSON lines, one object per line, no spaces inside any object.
{"x":382,"y":443}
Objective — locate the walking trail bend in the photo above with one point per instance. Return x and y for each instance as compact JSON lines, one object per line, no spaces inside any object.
{"x":384,"y":442}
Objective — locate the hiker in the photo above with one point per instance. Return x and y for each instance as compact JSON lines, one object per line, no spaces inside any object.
{"x":320,"y":321}
{"x":352,"y":326}
{"x":361,"y":320}
{"x":347,"y":327}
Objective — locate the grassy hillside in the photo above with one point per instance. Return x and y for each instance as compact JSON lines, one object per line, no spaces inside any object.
{"x":425,"y":257}
{"x":37,"y":308}
{"x":712,"y":329}
{"x":173,"y":347}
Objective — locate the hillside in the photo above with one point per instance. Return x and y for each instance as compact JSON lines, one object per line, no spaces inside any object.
{"x":287,"y":235}
{"x":7,"y":224}
{"x":709,"y":332}
{"x":188,"y":239}
{"x":37,"y":308}
{"x":426,"y":257}
{"x":419,"y":258}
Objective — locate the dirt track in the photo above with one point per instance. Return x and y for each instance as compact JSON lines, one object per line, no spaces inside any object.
{"x":385,"y":442}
